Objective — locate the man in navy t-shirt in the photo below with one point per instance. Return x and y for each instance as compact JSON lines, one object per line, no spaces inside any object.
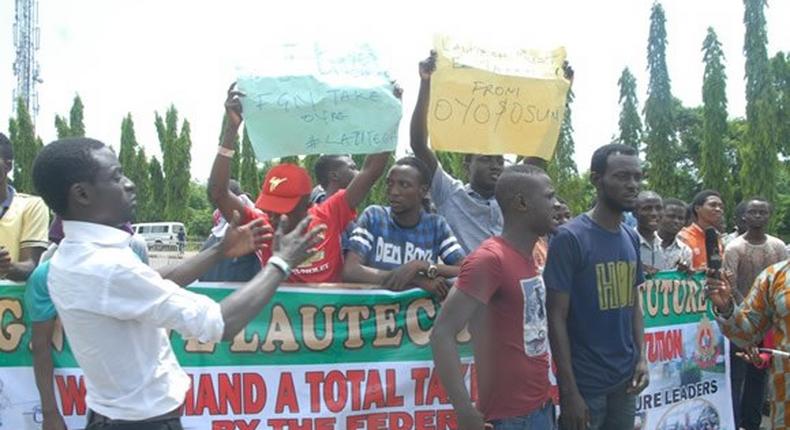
{"x":592,"y":275}
{"x":402,"y":245}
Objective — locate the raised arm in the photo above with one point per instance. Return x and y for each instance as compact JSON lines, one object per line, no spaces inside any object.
{"x":419,"y":119}
{"x":456,"y":312}
{"x":218,"y":182}
{"x":366,"y":178}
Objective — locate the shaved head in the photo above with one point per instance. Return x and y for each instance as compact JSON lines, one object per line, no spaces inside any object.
{"x":514,"y":181}
{"x":645,"y":196}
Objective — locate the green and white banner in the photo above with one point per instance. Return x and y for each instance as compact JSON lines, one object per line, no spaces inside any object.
{"x":314,"y":359}
{"x":324,"y":359}
{"x":688,"y":358}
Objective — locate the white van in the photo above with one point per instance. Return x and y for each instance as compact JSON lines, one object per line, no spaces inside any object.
{"x":161,"y":234}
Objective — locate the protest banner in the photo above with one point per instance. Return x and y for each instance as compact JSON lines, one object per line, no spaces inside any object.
{"x":315,"y":359}
{"x":333,"y":358}
{"x":320,"y":102}
{"x":688,"y":358}
{"x":496,"y":101}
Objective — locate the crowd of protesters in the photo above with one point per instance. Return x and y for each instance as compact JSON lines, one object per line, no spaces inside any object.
{"x":532,"y":282}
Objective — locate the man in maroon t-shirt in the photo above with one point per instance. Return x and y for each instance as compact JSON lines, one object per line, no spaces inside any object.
{"x":500,"y":293}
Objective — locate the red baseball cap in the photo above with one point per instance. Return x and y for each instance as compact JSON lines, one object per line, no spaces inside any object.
{"x":282,"y":189}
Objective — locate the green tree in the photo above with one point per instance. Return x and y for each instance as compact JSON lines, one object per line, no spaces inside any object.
{"x":713,"y":165}
{"x":454,"y":164}
{"x":248,"y":176}
{"x":141,"y":176}
{"x":128,"y":153}
{"x":661,"y":148}
{"x":75,"y":126}
{"x":176,"y":160}
{"x":23,"y":140}
{"x":157,"y":187}
{"x":759,"y":152}
{"x":780,"y":69}
{"x":630,"y":123}
{"x":688,"y":128}
{"x":198,"y":214}
{"x":561,"y":167}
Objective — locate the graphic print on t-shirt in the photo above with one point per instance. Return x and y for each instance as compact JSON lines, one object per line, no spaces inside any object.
{"x":535,"y":327}
{"x":615,"y":281}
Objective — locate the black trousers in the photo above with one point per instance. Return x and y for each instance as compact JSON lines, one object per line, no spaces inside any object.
{"x":100,"y":422}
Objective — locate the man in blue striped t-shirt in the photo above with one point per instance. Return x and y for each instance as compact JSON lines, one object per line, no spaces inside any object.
{"x":401,"y":245}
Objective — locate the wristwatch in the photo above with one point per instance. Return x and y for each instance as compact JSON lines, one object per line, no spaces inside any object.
{"x":432,"y":272}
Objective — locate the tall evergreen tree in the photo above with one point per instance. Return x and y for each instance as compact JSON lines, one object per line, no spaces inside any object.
{"x":780,"y":70}
{"x":759,"y":153}
{"x":176,"y":160}
{"x":714,"y":167}
{"x":157,"y":188}
{"x":128,"y":153}
{"x":142,"y":180}
{"x":248,"y":176}
{"x":630,"y":123}
{"x":75,"y":126}
{"x":660,"y":145}
{"x":562,"y":168}
{"x":23,"y":140}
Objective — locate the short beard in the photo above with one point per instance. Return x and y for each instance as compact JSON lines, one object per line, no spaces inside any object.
{"x":610,"y":202}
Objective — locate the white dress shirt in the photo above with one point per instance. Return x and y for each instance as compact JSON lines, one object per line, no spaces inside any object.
{"x":115,"y":310}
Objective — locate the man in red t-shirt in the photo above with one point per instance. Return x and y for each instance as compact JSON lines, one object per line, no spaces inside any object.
{"x":286,"y":191}
{"x":500,"y":293}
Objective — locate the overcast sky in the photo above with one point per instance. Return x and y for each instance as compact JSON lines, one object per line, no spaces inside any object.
{"x":140,"y":56}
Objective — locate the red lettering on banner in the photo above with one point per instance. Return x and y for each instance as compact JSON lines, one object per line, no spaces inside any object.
{"x":446,"y":419}
{"x":205,"y":396}
{"x":314,"y":379}
{"x":286,"y":395}
{"x":424,"y":420}
{"x":335,"y":383}
{"x":664,"y":345}
{"x":373,"y":391}
{"x":235,"y":424}
{"x":254,"y":393}
{"x":223,"y":425}
{"x":419,"y":375}
{"x":435,"y":391}
{"x":240,"y":392}
{"x":356,"y":377}
{"x":229,"y":393}
{"x":72,"y":394}
{"x":400,"y":421}
{"x":393,"y":399}
{"x":473,"y":383}
{"x":306,"y":424}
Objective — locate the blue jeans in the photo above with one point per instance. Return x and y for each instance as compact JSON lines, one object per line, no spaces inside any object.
{"x":541,"y":419}
{"x":612,"y":411}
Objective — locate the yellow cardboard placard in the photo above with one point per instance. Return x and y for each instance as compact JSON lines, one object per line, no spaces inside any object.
{"x":486,"y":101}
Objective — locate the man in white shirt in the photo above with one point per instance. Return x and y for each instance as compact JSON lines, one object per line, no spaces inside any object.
{"x":116,"y":310}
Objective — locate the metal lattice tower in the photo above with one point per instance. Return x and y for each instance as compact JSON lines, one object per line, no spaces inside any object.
{"x":26,"y":44}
